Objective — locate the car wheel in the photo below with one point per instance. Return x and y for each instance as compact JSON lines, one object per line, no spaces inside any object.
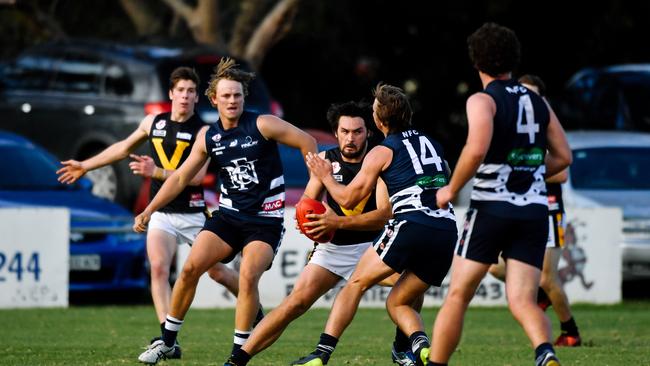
{"x":104,"y":182}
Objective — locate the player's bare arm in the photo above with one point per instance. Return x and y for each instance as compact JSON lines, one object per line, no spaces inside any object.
{"x":72,"y":170}
{"x":274,"y":128}
{"x":480,"y":113}
{"x":176,"y":182}
{"x":144,"y":166}
{"x":560,"y":177}
{"x":368,"y":221}
{"x":559,"y":155}
{"x":350,"y":195}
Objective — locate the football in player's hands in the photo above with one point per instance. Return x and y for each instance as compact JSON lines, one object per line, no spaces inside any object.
{"x":308,"y":206}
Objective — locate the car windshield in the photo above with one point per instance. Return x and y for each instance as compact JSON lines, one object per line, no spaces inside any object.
{"x":30,"y":169}
{"x":611,"y":168}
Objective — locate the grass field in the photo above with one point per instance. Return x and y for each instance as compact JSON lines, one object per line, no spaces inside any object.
{"x":115,"y":335}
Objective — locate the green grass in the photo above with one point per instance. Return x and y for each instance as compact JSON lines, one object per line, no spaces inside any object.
{"x":115,"y":335}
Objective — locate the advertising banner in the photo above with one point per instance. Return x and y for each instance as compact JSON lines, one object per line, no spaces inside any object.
{"x":590,"y":267}
{"x":34,"y":254}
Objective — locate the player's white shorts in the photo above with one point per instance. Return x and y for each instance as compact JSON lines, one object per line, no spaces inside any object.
{"x":184,"y":226}
{"x":339,"y":259}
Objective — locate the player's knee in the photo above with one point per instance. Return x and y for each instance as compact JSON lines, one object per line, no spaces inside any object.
{"x":460,"y":296}
{"x":159,"y":270}
{"x":218,"y":274}
{"x":358,"y":284}
{"x":190,"y":272}
{"x":297,"y":305}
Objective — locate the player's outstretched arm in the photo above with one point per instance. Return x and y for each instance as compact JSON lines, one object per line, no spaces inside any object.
{"x":72,"y":170}
{"x":277,"y":129}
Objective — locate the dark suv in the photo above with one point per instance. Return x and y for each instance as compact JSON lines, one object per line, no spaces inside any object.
{"x":76,"y":98}
{"x":608,"y":98}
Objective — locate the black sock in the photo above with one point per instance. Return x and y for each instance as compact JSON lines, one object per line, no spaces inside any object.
{"x":402,"y":342}
{"x":326,"y":346}
{"x":418,"y":341}
{"x":542,"y":349}
{"x":240,"y":357}
{"x":569,"y":327}
{"x":239,"y":339}
{"x":170,"y":331}
{"x":162,"y":328}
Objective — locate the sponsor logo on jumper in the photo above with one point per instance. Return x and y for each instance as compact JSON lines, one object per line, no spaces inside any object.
{"x":160,"y":133}
{"x":242,"y":173}
{"x":161,"y":124}
{"x":526,"y":157}
{"x":216,"y":138}
{"x":184,"y":136}
{"x":248,"y":142}
{"x":338,"y":177}
{"x":233,"y":143}
{"x":196,"y":200}
{"x":272,"y":206}
{"x":429,"y":182}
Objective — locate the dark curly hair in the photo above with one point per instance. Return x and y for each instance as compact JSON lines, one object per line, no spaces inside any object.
{"x":494,"y":49}
{"x":349,"y":109}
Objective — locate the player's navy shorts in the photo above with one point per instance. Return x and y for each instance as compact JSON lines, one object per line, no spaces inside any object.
{"x":484,"y":236}
{"x":423,"y":250}
{"x":238,"y":232}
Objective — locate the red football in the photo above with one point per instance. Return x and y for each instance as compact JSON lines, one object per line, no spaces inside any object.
{"x":308,"y":206}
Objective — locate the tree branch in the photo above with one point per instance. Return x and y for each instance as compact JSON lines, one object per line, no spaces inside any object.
{"x":273,"y":28}
{"x":145,"y":22}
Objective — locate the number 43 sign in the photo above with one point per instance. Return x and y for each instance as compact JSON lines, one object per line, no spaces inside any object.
{"x":34,"y":252}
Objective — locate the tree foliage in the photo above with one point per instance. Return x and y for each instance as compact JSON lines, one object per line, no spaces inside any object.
{"x":246,"y":29}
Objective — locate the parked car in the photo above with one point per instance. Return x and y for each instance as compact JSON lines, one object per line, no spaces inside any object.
{"x":612,"y":168}
{"x":607,"y":98}
{"x":76,"y":98}
{"x":105,"y":254}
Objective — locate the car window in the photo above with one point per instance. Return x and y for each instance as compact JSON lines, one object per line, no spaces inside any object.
{"x":635,"y":97}
{"x":79,"y":74}
{"x":615,"y":168}
{"x":31,"y":170}
{"x":29,"y":72}
{"x":117,"y":81}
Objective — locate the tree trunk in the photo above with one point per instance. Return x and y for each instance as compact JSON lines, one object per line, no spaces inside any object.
{"x":145,"y":22}
{"x":203,"y":21}
{"x":250,"y":13}
{"x":273,"y":28}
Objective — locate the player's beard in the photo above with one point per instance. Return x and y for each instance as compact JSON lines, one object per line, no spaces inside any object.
{"x":356,"y":154}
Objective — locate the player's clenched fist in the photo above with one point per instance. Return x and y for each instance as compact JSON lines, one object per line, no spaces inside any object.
{"x":141,"y":221}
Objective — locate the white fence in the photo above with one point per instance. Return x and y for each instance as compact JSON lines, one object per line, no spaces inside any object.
{"x":590,"y":266}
